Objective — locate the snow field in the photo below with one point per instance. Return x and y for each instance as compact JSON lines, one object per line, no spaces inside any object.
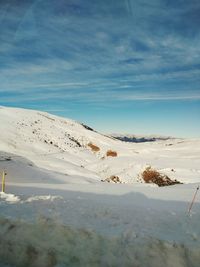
{"x":61,"y":145}
{"x":56,"y":211}
{"x":83,"y":230}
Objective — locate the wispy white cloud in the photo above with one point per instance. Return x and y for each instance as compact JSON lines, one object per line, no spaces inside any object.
{"x":133,"y":50}
{"x":99,"y":97}
{"x":160,"y":98}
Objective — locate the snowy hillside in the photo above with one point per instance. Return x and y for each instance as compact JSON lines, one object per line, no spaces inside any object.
{"x":56,"y":211}
{"x":71,"y":149}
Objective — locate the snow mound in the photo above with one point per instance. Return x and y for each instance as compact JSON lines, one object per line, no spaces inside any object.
{"x":10,"y":198}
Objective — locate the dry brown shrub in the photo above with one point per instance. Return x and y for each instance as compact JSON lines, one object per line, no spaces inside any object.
{"x":150,"y":175}
{"x":93,"y":147}
{"x":111,"y":153}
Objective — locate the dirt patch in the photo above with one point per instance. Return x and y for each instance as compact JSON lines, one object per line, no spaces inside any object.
{"x":111,"y":153}
{"x":93,"y":147}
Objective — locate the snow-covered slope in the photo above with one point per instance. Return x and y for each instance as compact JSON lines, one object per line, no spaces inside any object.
{"x":61,"y":145}
{"x":50,"y":142}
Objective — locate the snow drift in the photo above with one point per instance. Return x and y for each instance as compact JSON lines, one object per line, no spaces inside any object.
{"x":48,"y":244}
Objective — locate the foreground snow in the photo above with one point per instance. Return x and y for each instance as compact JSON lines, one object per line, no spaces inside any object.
{"x":51,"y":223}
{"x":57,"y":212}
{"x":94,"y":229}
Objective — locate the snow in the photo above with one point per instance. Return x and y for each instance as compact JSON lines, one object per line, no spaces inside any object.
{"x":37,"y":198}
{"x":56,"y":211}
{"x":61,"y":145}
{"x":9,"y":197}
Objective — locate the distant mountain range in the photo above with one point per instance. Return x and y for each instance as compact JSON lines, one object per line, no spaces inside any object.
{"x":140,"y":139}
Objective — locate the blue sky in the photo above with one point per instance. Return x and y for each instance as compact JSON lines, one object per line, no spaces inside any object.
{"x":127,"y":66}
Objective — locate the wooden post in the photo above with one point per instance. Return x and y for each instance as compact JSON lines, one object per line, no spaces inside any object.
{"x":190,"y":208}
{"x":3,"y":182}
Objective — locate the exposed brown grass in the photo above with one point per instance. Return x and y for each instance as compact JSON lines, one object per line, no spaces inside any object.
{"x":93,"y":147}
{"x":111,"y":153}
{"x":150,"y":175}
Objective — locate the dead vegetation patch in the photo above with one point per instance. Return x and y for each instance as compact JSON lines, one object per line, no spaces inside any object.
{"x":152,"y":176}
{"x":111,"y":153}
{"x":93,"y":147}
{"x":112,"y":179}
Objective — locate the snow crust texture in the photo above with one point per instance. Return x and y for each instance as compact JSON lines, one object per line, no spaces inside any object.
{"x":48,"y":244}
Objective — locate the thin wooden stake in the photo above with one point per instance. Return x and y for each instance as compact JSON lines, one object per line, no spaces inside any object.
{"x":3,"y":182}
{"x":190,"y":208}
